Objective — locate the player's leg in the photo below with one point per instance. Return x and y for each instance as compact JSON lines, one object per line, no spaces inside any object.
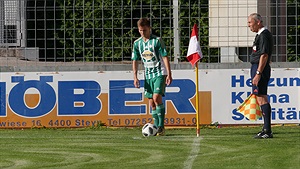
{"x":160,"y":109}
{"x":158,"y":92}
{"x":148,"y":86}
{"x":154,"y":114}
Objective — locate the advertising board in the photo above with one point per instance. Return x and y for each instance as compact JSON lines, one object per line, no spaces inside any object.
{"x":91,"y":98}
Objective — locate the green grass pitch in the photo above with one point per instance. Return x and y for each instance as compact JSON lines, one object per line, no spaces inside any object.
{"x":126,"y":148}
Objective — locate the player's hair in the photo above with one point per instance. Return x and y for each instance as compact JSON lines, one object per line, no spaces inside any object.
{"x":256,"y":17}
{"x":143,"y":22}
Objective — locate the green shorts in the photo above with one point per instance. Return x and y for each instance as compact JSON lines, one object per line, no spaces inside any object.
{"x":155,"y":85}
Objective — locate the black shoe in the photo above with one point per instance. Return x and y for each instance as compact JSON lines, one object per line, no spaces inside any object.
{"x":161,"y":131}
{"x":263,"y":135}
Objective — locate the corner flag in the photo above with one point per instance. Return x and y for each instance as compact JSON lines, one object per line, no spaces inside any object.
{"x":194,"y":51}
{"x":193,"y":56}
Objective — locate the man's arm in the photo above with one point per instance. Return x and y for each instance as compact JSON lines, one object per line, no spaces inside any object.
{"x":135,"y":70}
{"x":262,"y":63}
{"x":168,"y":68}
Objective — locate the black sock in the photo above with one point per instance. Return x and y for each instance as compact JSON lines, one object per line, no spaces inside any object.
{"x":266,"y":110}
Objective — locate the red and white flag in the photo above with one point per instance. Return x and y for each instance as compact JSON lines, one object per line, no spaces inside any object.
{"x":194,"y":51}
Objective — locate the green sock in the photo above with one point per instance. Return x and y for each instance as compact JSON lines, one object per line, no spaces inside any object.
{"x":160,"y":110}
{"x":155,"y":117}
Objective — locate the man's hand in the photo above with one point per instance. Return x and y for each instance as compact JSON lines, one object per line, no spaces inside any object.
{"x":169,"y":80}
{"x":136,"y":83}
{"x":256,"y":79}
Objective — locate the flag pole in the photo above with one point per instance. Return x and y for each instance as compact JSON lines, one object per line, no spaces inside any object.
{"x":194,"y":55}
{"x":197,"y":99}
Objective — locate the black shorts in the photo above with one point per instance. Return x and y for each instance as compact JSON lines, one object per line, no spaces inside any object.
{"x":264,"y":80}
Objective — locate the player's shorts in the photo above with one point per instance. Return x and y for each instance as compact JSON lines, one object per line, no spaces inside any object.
{"x":262,"y":86}
{"x":155,"y":85}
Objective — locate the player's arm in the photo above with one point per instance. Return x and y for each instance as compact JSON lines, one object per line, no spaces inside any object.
{"x":135,"y":70}
{"x":163,"y":53}
{"x":135,"y":63}
{"x":168,"y":68}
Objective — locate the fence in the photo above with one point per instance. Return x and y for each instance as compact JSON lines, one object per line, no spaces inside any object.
{"x":102,"y":31}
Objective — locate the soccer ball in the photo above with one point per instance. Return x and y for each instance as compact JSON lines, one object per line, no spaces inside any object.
{"x":149,"y":130}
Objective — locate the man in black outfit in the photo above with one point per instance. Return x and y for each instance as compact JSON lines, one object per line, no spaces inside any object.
{"x":261,"y":70}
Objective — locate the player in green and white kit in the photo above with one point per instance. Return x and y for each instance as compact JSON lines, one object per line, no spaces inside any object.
{"x":152,"y":51}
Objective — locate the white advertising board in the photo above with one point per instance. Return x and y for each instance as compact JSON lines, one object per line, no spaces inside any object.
{"x":230,"y":87}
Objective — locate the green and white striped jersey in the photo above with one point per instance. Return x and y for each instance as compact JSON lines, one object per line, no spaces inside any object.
{"x":151,"y":53}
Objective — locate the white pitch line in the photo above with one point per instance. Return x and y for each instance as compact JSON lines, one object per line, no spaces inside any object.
{"x":188,"y":164}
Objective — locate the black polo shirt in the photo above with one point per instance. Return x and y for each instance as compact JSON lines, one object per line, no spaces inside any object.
{"x":263,"y":44}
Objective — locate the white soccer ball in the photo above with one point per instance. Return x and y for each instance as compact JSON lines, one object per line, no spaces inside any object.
{"x":149,"y":130}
